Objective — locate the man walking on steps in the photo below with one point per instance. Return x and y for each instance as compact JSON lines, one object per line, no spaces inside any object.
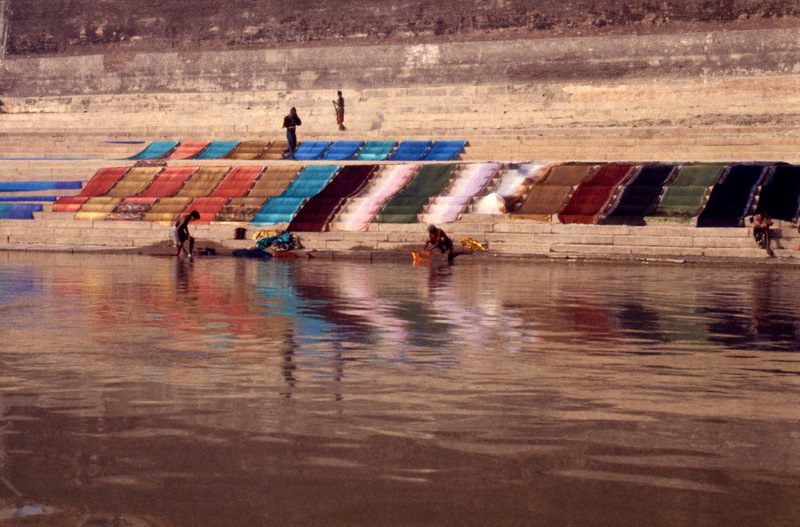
{"x":338,"y":104}
{"x":291,"y":122}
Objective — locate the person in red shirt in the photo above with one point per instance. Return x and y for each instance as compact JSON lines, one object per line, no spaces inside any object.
{"x":438,"y":239}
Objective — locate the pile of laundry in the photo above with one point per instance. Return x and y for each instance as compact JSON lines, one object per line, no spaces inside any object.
{"x":271,"y":243}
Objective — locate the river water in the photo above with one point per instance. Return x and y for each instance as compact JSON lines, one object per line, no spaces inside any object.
{"x":230,"y":392}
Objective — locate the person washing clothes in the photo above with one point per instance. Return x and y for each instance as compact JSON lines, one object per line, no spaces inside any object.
{"x":761,"y":224}
{"x":438,"y":239}
{"x":180,"y":233}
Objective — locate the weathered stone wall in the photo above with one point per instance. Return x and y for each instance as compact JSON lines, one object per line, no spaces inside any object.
{"x":539,"y":61}
{"x":72,"y":26}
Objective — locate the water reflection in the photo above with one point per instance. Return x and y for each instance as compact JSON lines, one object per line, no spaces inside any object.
{"x":480,"y":393}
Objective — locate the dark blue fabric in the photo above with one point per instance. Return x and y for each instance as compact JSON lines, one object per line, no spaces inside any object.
{"x":33,"y":186}
{"x":311,"y":150}
{"x":732,"y":196}
{"x":410,"y":151}
{"x":444,"y":150}
{"x":639,"y":197}
{"x":21,"y":211}
{"x":780,"y":193}
{"x":341,"y":150}
{"x":8,"y":199}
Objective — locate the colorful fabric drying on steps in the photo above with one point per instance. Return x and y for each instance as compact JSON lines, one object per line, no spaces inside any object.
{"x":684,"y":197}
{"x":188,"y":150}
{"x":639,"y":196}
{"x":361,"y":209}
{"x":406,"y":204}
{"x":551,"y":193}
{"x":167,"y":182}
{"x":318,"y":210}
{"x":733,"y":195}
{"x":593,"y":196}
{"x":780,"y":193}
{"x":466,"y":183}
{"x":513,"y":183}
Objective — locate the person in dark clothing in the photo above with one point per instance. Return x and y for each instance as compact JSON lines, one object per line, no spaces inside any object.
{"x":291,"y":122}
{"x":338,"y":104}
{"x":438,"y":239}
{"x":761,"y":224}
{"x":180,"y":233}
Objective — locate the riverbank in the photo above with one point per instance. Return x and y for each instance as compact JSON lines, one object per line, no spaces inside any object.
{"x":315,"y":247}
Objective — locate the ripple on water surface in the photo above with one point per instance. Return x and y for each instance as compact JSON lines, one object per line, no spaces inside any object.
{"x":478,"y":393}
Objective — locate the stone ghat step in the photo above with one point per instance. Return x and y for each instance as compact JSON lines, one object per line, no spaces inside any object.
{"x":639,"y":91}
{"x":540,"y":153}
{"x":485,"y":225}
{"x":171,"y":122}
{"x":60,"y":139}
{"x":606,"y":146}
{"x":79,"y":134}
{"x":602,"y":104}
{"x":61,"y":229}
{"x":220,"y":127}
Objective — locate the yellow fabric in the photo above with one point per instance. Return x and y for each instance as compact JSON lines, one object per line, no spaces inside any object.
{"x":471,"y":244}
{"x":203,"y":182}
{"x":273,"y":182}
{"x":133,"y":182}
{"x":167,"y":209}
{"x":247,"y":150}
{"x":97,"y":208}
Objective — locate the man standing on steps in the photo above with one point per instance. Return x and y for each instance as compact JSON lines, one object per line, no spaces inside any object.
{"x":338,"y":104}
{"x":291,"y":122}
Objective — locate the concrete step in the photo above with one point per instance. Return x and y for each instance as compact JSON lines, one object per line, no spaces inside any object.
{"x":61,"y":229}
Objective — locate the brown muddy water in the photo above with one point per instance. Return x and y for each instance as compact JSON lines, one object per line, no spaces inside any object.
{"x":137,"y":390}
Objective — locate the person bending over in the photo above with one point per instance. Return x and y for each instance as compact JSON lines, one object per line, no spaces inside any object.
{"x":438,"y":239}
{"x":761,"y":224}
{"x":180,"y":233}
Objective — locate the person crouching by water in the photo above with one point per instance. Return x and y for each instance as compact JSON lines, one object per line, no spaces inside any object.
{"x":438,"y":239}
{"x":761,"y":224}
{"x":180,"y":233}
{"x":291,"y":122}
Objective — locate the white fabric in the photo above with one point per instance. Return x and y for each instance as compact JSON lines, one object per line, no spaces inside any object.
{"x":447,"y":206}
{"x":360,"y":211}
{"x":512,"y":185}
